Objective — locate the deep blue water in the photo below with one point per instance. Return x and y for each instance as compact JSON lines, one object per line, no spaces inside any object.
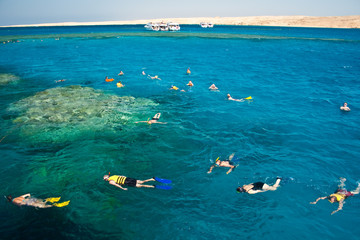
{"x":298,"y":78}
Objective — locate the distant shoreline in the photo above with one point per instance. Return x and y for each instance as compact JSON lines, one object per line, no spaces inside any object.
{"x":279,"y":21}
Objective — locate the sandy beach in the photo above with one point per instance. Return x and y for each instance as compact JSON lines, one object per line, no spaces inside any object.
{"x":289,"y":21}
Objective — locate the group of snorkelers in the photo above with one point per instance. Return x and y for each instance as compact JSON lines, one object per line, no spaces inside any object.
{"x":119,"y":181}
{"x":173,"y":87}
{"x":123,"y":182}
{"x":338,"y":196}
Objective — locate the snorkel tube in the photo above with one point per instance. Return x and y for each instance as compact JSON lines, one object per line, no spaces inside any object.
{"x":9,"y":198}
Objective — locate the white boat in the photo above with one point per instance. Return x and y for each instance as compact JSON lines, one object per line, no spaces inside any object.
{"x":173,"y":26}
{"x":206,"y":25}
{"x":163,"y":26}
{"x":203,"y":24}
{"x":152,"y":26}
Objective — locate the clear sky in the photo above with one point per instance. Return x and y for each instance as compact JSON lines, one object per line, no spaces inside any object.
{"x":14,"y":12}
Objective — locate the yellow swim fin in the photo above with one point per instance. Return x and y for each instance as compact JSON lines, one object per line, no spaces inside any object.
{"x":248,"y":98}
{"x":52,"y":200}
{"x":63,"y":204}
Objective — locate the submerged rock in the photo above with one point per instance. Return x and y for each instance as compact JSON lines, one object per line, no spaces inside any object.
{"x":67,"y":113}
{"x":7,"y":78}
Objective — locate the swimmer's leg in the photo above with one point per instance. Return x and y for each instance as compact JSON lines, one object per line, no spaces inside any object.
{"x":144,"y":181}
{"x":342,"y":183}
{"x":231,"y":156}
{"x":273,"y":187}
{"x":40,"y":204}
{"x":357,"y":190}
{"x":147,"y":186}
{"x":157,"y":116}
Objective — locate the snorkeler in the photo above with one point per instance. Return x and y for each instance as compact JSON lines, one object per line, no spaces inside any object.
{"x":121,"y":73}
{"x":238,"y":100}
{"x":119,"y":181}
{"x":258,"y":187}
{"x":28,"y":200}
{"x":224,"y":163}
{"x":233,"y":99}
{"x":345,"y":108}
{"x":61,"y":80}
{"x":155,"y":119}
{"x":174,"y":88}
{"x":188,"y":72}
{"x":339,"y":195}
{"x":190,"y":84}
{"x":108,"y":79}
{"x":119,"y":84}
{"x":154,"y":77}
{"x":213,"y":87}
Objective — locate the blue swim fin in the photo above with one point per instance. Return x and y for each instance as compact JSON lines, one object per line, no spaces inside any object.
{"x":162,"y":180}
{"x":163,"y":187}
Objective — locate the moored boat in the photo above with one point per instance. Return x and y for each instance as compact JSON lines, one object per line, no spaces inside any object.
{"x":173,"y":26}
{"x":163,"y":26}
{"x":203,"y":24}
{"x":152,"y":26}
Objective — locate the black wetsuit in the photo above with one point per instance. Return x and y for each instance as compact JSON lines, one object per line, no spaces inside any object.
{"x":258,"y":186}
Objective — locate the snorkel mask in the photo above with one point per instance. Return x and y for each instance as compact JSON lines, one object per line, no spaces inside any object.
{"x":106,"y":177}
{"x":240,"y":190}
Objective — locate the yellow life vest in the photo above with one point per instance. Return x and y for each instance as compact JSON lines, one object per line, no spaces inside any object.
{"x":338,"y":196}
{"x":118,"y":179}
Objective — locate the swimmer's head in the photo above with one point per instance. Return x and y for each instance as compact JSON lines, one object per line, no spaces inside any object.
{"x":240,"y":190}
{"x":9,"y":198}
{"x":228,"y":95}
{"x":345,"y":104}
{"x":106,"y":177}
{"x":332,"y":199}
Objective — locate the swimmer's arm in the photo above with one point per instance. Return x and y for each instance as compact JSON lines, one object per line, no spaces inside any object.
{"x":161,"y":122}
{"x":26,"y":195}
{"x":320,"y":198}
{"x":117,"y":185}
{"x":254,"y":191}
{"x":211,"y":168}
{"x":231,"y":168}
{"x":141,"y":121}
{"x":341,"y":204}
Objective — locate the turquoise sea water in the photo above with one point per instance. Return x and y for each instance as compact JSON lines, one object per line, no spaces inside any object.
{"x":61,"y":138}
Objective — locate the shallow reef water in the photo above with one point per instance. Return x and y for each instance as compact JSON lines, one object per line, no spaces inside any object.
{"x":8,"y":78}
{"x":59,"y":138}
{"x":66,"y":113}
